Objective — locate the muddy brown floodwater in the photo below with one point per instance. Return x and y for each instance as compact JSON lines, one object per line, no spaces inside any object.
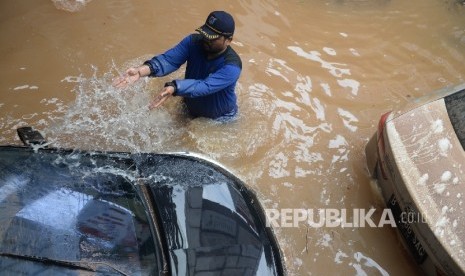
{"x":317,"y":75}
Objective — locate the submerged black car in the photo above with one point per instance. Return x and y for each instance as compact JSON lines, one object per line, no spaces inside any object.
{"x":65,"y":212}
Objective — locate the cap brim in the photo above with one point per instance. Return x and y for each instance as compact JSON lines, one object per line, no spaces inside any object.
{"x":207,"y":32}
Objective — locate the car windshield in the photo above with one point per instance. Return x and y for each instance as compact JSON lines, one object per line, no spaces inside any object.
{"x":455,"y":105}
{"x":76,"y":208}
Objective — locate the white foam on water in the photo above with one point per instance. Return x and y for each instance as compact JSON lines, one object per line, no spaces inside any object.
{"x":29,"y":116}
{"x":70,"y":5}
{"x":354,"y":52}
{"x":333,"y":68}
{"x":272,"y":71}
{"x":304,"y":88}
{"x":339,"y":256}
{"x":277,"y":166}
{"x":50,"y":101}
{"x":337,"y":142}
{"x":72,"y":79}
{"x":237,"y":43}
{"x":319,"y":109}
{"x":349,"y":83}
{"x":348,"y":118}
{"x":326,"y":88}
{"x":26,"y":86}
{"x":366,"y":262}
{"x":278,"y":67}
{"x":325,"y":240}
{"x":329,"y":51}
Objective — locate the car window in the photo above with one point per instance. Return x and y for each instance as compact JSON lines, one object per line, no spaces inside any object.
{"x":73,"y":207}
{"x":455,"y":105}
{"x":211,"y":218}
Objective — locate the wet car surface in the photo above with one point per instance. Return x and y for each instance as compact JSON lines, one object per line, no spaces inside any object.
{"x":69,"y":212}
{"x":418,"y":157}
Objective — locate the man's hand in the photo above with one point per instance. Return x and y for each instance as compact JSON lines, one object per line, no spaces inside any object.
{"x":131,"y":76}
{"x":162,"y":97}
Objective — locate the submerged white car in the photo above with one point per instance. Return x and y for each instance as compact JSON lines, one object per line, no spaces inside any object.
{"x":418,"y":158}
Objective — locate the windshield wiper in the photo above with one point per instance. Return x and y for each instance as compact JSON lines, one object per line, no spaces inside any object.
{"x":88,"y":266}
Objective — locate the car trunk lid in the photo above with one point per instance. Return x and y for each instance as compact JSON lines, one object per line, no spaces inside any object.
{"x":431,"y":161}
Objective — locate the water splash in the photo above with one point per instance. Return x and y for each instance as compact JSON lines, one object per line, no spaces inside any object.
{"x":105,"y":118}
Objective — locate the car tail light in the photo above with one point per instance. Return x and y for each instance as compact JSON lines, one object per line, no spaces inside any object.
{"x":381,"y":146}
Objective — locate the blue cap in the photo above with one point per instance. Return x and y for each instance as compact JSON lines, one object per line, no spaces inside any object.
{"x":217,"y":23}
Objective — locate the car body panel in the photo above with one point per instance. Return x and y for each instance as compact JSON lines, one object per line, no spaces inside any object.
{"x":424,"y":165}
{"x":429,"y":177}
{"x":88,"y":208}
{"x":216,"y":228}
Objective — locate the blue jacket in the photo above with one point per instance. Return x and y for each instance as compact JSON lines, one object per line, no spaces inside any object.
{"x":208,"y":87}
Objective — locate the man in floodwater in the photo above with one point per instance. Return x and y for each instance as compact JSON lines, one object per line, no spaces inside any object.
{"x":212,"y":70}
